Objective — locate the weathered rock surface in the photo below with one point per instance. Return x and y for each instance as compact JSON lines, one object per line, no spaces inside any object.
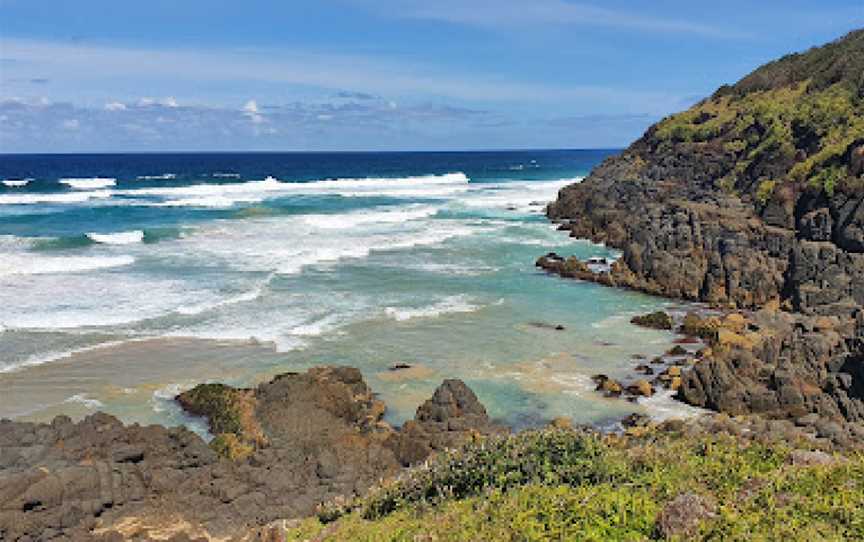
{"x":682,"y":516}
{"x":306,"y":438}
{"x":697,"y":218}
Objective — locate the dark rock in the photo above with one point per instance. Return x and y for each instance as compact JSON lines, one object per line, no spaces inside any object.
{"x":451,"y":417}
{"x":636,"y":420}
{"x":654,"y":320}
{"x":677,"y":351}
{"x":321,"y":435}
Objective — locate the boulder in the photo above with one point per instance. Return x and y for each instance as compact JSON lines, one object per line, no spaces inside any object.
{"x":450,"y":418}
{"x":655,"y":320}
{"x":608,"y":385}
{"x":642,"y":388}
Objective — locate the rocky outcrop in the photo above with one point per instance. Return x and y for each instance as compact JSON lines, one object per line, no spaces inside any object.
{"x":305,"y":438}
{"x":451,"y":417}
{"x":738,"y":204}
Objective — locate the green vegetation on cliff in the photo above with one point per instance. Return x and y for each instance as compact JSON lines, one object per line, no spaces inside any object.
{"x":796,"y":120}
{"x":569,"y":485}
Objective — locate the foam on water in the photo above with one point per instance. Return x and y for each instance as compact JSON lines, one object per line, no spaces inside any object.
{"x":91,"y":183}
{"x":54,"y":198}
{"x":227,"y":195}
{"x":199,"y":308}
{"x":288,"y":244}
{"x":663,"y":406}
{"x":34,"y":264}
{"x":359,"y":218}
{"x":120,"y":238}
{"x":83,"y":399}
{"x":162,"y":177}
{"x":16,"y":183}
{"x":449,"y":305}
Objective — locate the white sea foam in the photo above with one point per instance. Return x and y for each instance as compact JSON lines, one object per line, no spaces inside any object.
{"x":288,"y":244}
{"x":33,"y":264}
{"x":84,"y":399}
{"x":58,"y":198}
{"x":92,"y":183}
{"x":521,"y":196}
{"x":226,"y":175}
{"x":163,"y":398}
{"x":663,"y":406}
{"x":120,"y":238}
{"x":226,"y":195}
{"x":162,"y":177}
{"x":16,"y":183}
{"x":318,"y":327}
{"x":450,"y":305}
{"x":198,"y":308}
{"x":359,"y":218}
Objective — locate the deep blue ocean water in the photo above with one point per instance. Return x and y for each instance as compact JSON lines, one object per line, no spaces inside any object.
{"x":125,"y":278}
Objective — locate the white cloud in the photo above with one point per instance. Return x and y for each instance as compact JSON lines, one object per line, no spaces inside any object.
{"x":250,"y":111}
{"x":115,"y":106}
{"x":71,"y":124}
{"x":170,"y":101}
{"x":251,"y":106}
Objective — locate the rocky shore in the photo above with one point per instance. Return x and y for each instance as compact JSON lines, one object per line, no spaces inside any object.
{"x":751,"y":203}
{"x":279,"y":451}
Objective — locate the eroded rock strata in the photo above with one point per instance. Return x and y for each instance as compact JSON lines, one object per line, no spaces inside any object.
{"x":751,"y":200}
{"x":282,"y":448}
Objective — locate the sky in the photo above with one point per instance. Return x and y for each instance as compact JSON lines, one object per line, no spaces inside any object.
{"x":318,"y":75}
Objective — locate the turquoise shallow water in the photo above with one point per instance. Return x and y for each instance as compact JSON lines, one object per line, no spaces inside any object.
{"x":140,"y":277}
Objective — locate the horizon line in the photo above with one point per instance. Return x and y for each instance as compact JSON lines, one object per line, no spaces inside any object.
{"x":399,"y":151}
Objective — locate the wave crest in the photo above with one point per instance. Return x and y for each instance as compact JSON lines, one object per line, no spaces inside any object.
{"x":120,"y":238}
{"x":91,"y":183}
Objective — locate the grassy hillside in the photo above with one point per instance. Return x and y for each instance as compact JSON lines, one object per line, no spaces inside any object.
{"x":794,"y":120}
{"x":569,"y":485}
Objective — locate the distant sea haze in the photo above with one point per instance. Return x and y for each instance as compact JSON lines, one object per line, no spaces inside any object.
{"x":124,"y":278}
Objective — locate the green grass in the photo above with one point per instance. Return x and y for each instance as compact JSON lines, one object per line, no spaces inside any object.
{"x":566,"y":485}
{"x":802,"y":132}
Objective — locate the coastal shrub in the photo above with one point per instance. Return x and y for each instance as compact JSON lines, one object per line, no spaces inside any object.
{"x":549,"y":457}
{"x":228,"y":445}
{"x":216,"y":402}
{"x":798,"y":132}
{"x":568,"y":485}
{"x":765,"y":190}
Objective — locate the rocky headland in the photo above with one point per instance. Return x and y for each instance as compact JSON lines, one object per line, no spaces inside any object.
{"x":752,"y":201}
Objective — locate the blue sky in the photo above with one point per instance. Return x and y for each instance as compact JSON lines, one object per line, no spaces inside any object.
{"x":98,"y":75}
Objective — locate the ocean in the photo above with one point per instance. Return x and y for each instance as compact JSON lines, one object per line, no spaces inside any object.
{"x":125,"y":279}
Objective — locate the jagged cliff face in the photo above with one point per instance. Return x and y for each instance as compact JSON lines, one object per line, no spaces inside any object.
{"x":752,"y":198}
